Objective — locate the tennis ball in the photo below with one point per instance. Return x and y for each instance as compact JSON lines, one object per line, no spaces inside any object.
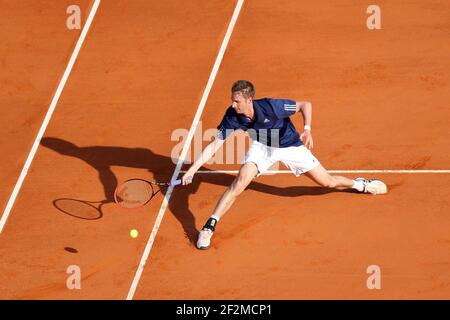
{"x":133,"y":233}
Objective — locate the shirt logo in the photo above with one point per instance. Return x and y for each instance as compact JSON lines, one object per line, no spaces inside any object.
{"x":266,"y":120}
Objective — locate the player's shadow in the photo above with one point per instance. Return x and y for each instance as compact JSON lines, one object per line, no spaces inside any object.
{"x":102,"y":158}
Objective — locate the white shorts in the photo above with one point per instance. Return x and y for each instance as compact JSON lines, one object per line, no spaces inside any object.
{"x":298,"y":159}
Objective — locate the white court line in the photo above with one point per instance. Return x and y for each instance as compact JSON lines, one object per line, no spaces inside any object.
{"x":195,"y":122}
{"x":48,"y":116}
{"x":330,"y":171}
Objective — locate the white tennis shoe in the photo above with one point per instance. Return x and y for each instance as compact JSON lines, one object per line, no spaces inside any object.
{"x":204,"y":238}
{"x":373,"y":186}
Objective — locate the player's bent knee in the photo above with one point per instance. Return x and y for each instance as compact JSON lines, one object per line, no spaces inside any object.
{"x":329,"y":183}
{"x":332,"y":184}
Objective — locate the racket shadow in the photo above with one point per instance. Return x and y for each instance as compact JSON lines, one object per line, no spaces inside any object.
{"x":80,"y":209}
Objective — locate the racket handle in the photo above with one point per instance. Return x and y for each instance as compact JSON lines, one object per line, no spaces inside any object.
{"x":175,"y":182}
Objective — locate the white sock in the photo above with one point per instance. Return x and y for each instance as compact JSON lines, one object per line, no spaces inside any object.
{"x":215,"y":217}
{"x":358,"y":185}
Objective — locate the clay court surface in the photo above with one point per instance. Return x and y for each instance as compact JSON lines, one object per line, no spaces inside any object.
{"x":380,"y":101}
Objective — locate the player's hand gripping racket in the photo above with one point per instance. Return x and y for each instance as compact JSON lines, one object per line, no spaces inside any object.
{"x":136,"y":193}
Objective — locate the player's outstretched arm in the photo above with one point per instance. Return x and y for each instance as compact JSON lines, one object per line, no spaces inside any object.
{"x":206,"y":154}
{"x":305,"y":107}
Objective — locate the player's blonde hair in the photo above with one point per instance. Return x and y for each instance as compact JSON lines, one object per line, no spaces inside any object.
{"x":245,"y":87}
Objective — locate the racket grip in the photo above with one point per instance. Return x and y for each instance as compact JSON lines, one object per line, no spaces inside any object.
{"x":175,"y":182}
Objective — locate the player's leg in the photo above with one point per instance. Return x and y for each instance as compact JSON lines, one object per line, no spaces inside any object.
{"x":325,"y":179}
{"x":301,"y":160}
{"x":246,"y":174}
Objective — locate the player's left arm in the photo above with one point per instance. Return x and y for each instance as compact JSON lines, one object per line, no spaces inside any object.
{"x":305,"y":107}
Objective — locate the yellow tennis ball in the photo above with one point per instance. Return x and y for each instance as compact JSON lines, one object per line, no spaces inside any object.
{"x":134,"y":233}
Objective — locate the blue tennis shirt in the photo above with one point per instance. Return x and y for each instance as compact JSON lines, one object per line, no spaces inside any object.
{"x":271,"y":126}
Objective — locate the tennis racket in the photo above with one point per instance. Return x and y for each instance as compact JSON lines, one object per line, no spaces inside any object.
{"x":136,"y":193}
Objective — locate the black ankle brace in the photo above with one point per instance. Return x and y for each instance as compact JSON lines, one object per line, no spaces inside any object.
{"x":210,"y":224}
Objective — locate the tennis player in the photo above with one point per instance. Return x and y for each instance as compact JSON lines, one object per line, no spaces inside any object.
{"x":274,"y":138}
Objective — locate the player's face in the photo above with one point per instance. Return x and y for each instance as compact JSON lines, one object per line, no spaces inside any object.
{"x":240,"y":104}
